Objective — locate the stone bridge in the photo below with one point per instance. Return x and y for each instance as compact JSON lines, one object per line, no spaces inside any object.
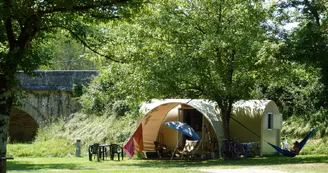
{"x":45,"y":97}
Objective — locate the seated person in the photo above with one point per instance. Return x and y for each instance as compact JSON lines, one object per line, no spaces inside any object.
{"x":296,"y":147}
{"x":159,"y":148}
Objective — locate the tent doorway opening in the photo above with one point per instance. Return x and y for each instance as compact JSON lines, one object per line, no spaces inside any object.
{"x":193,"y":118}
{"x":198,"y":121}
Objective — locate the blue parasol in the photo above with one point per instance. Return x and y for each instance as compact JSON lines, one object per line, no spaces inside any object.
{"x":183,"y":128}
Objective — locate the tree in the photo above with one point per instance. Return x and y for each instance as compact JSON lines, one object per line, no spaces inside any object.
{"x":197,"y":49}
{"x":25,"y":24}
{"x":66,"y":53}
{"x":307,"y":43}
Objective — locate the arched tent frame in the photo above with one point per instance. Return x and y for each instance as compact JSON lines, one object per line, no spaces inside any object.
{"x":156,"y":111}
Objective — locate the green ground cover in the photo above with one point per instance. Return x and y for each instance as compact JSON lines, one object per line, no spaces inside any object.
{"x":302,"y":163}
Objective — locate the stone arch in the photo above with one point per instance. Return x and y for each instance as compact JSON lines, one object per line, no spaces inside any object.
{"x":32,"y":110}
{"x":23,"y":127}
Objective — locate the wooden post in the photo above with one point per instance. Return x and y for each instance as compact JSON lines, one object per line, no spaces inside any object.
{"x":3,"y":164}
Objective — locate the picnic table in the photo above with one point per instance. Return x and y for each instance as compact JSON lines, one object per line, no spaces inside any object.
{"x":98,"y":151}
{"x":103,"y":150}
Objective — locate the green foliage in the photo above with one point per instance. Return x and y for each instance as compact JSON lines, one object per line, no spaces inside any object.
{"x":115,"y":91}
{"x":295,"y":88}
{"x":307,"y":42}
{"x":65,"y":53}
{"x":192,"y":49}
{"x":77,"y":90}
{"x":184,"y":46}
{"x":202,"y":49}
{"x":119,"y":108}
{"x":25,"y":25}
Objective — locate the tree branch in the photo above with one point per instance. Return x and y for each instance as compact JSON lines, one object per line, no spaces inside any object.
{"x":8,"y":25}
{"x":81,"y":7}
{"x":196,"y":26}
{"x":28,"y":31}
{"x":84,"y":43}
{"x":313,"y":11}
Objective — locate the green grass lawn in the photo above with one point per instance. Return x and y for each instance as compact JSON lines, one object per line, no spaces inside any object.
{"x":301,"y":163}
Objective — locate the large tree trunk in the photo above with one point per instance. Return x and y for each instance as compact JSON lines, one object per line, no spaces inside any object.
{"x":226,"y":121}
{"x":10,"y":62}
{"x":225,"y":107}
{"x":6,"y":101}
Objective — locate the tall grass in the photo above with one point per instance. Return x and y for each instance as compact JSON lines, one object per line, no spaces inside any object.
{"x":58,"y":139}
{"x":90,"y":129}
{"x":296,"y":128}
{"x":51,"y":148}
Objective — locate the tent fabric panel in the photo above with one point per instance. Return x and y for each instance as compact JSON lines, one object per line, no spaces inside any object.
{"x":171,"y":136}
{"x":207,"y":109}
{"x":152,"y":123}
{"x":243,"y":134}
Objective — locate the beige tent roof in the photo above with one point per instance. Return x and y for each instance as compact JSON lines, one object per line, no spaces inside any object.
{"x":252,"y":108}
{"x":156,"y":111}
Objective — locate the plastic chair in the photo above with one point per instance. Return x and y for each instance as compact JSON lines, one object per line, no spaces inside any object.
{"x":116,"y":149}
{"x":94,"y":150}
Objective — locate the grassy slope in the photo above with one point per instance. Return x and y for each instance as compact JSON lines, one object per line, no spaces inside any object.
{"x":296,"y":129}
{"x":59,"y":138}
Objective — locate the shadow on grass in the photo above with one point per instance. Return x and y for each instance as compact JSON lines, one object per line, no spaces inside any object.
{"x":258,"y":161}
{"x":16,"y":165}
{"x":162,"y":164}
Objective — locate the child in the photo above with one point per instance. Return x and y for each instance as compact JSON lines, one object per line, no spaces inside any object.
{"x":284,"y":144}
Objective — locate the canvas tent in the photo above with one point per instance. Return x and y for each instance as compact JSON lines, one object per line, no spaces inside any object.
{"x":261,"y":117}
{"x":200,"y":113}
{"x":205,"y":115}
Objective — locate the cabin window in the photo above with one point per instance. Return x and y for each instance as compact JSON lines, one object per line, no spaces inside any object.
{"x":270,"y":121}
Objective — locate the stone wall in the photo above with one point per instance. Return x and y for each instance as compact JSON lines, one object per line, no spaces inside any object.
{"x":58,"y":80}
{"x":46,"y":97}
{"x":46,"y":106}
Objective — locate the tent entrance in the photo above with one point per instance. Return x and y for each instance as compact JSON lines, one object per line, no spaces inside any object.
{"x":194,"y":119}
